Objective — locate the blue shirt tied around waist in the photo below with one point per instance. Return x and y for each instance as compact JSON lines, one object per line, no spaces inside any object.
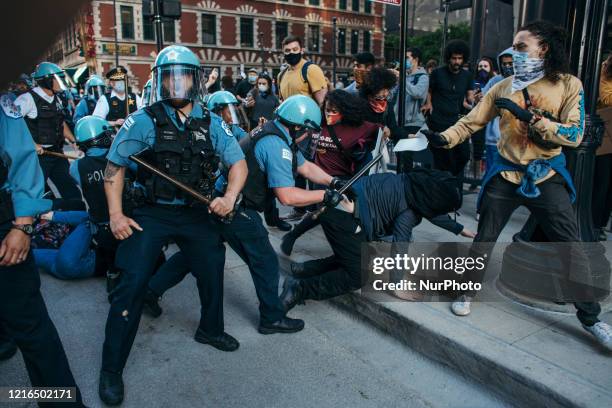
{"x":534,"y":171}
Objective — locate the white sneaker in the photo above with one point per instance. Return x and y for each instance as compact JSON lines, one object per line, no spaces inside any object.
{"x":602,"y":332}
{"x":461,"y":306}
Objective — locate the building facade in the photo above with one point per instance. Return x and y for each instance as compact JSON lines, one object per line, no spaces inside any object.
{"x":231,"y":35}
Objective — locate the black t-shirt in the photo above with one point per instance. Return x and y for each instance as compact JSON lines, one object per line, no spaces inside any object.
{"x":447,"y":93}
{"x":243,"y":88}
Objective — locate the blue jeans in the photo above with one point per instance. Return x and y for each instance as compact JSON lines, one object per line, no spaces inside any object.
{"x":490,"y":151}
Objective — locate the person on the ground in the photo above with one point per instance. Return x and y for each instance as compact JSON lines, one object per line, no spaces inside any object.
{"x":94,"y":89}
{"x":342,"y":145}
{"x":362,"y":65}
{"x":188,"y":142}
{"x":386,"y":206}
{"x":25,"y":322}
{"x":112,"y":106}
{"x":43,"y":113}
{"x":302,"y":77}
{"x":541,"y":109}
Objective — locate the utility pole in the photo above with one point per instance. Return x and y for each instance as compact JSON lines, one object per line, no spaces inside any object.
{"x":116,"y":40}
{"x":334,"y":46}
{"x":261,"y":52}
{"x":444,"y":29}
{"x":157,"y":20}
{"x":412,"y":18}
{"x":402,"y":60}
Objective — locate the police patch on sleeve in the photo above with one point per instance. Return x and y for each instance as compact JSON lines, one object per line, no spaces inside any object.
{"x":10,"y":109}
{"x":287,"y":155}
{"x":226,"y":128}
{"x":128,"y":123}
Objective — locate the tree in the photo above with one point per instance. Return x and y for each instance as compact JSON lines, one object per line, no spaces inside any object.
{"x":430,"y":43}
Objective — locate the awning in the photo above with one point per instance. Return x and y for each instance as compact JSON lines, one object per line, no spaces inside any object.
{"x":78,"y":74}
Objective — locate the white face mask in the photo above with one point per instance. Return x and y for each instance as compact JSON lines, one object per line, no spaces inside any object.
{"x":119,"y":87}
{"x":263,"y":88}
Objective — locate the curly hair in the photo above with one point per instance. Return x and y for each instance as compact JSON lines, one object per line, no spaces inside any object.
{"x":607,"y":72}
{"x":378,"y":79}
{"x":554,"y":37}
{"x":352,"y":108}
{"x":456,"y":47}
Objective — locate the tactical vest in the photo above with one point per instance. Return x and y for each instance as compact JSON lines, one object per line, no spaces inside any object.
{"x":48,"y":127}
{"x":186,"y":155}
{"x":256,"y":188}
{"x":116,"y":106}
{"x":6,"y":202}
{"x":91,"y":172}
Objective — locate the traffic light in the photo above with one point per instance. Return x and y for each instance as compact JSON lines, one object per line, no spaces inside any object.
{"x":167,"y":8}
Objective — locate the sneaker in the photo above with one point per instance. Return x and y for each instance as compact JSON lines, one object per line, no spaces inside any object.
{"x":461,"y":306}
{"x":295,"y":215}
{"x":151,"y":305}
{"x":602,"y":332}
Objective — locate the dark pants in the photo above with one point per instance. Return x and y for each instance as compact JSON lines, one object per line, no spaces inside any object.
{"x":405,"y":160}
{"x":24,"y":316}
{"x":341,"y":273}
{"x":249,"y":239}
{"x":198,"y":238}
{"x":602,"y":191}
{"x":57,"y":170}
{"x":552,"y":210}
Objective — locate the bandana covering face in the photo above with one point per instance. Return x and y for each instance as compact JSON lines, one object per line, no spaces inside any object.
{"x":526,"y":71}
{"x":378,"y":106}
{"x":333,"y":118}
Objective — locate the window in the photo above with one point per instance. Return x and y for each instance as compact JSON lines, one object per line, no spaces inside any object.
{"x":367,"y":6}
{"x":355,"y":5}
{"x":281,"y":31}
{"x":313,"y":2}
{"x":148,"y":30}
{"x":342,"y":41}
{"x":366,"y":40}
{"x":342,"y":4}
{"x":209,"y":29}
{"x":246,"y":32}
{"x":168,"y":31}
{"x":127,"y":22}
{"x":313,"y":38}
{"x":354,"y":42}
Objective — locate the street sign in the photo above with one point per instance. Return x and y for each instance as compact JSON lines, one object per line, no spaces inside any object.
{"x":390,"y":2}
{"x":454,"y":5}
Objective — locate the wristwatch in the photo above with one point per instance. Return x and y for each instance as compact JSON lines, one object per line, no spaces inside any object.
{"x":27,"y":229}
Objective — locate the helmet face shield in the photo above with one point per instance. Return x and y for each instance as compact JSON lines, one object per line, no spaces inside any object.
{"x":60,"y":82}
{"x":146,"y":96}
{"x":177,"y":82}
{"x":234,"y":113}
{"x":95,"y":91}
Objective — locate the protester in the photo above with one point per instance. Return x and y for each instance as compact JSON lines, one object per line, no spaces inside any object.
{"x":388,"y":205}
{"x":362,"y":65}
{"x":246,"y":85}
{"x":530,"y":167}
{"x":431,"y":65}
{"x":261,"y":101}
{"x":227,"y":84}
{"x":376,"y":90}
{"x":302,"y":77}
{"x":112,"y":106}
{"x":342,"y":145}
{"x":602,"y":191}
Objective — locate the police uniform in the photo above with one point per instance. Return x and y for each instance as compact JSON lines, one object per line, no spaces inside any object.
{"x":45,"y":119}
{"x":111,"y":107}
{"x":22,"y":309}
{"x":246,"y":235}
{"x":182,"y":150}
{"x":84,"y":108}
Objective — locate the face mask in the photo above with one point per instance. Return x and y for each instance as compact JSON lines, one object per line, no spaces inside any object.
{"x":263,"y":88}
{"x":507,"y":71}
{"x":408,"y":64}
{"x":360,"y":75}
{"x":333,"y":118}
{"x":483,"y":75}
{"x":378,"y":106}
{"x":119,"y":87}
{"x":526,"y":70}
{"x":293,"y":58}
{"x":252,"y":79}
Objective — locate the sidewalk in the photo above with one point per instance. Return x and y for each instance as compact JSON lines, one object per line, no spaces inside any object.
{"x":529,"y":356}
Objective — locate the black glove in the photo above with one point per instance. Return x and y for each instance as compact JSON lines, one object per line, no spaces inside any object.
{"x":331,"y":198}
{"x":337,"y":183}
{"x":520,"y":113}
{"x":434,"y":138}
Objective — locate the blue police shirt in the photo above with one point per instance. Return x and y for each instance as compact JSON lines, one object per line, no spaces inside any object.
{"x":140,"y":127}
{"x":81,"y":110}
{"x":25,"y":177}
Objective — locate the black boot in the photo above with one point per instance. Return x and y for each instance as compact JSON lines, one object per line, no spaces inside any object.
{"x":291,"y":294}
{"x":284,"y":325}
{"x":8,"y":348}
{"x":313,"y":267}
{"x":223,"y":342}
{"x":151,"y":304}
{"x":110,"y":388}
{"x":273,"y":220}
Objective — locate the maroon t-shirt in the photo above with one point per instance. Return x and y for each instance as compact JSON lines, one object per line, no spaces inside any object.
{"x":353,"y":139}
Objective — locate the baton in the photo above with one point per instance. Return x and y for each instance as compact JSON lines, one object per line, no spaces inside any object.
{"x":349,"y":183}
{"x":227,"y":219}
{"x":127,"y":96}
{"x":61,"y":155}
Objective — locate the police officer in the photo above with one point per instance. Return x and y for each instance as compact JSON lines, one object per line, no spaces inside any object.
{"x":23,"y":314}
{"x":146,"y":95}
{"x":247,"y":236}
{"x":43,"y":113}
{"x":112,"y":106}
{"x":94,"y":89}
{"x":187,"y":142}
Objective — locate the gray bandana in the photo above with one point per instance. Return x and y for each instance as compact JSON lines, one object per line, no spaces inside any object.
{"x":526,"y":71}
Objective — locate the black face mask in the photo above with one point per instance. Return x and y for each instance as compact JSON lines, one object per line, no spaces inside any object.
{"x":293,"y":58}
{"x":507,"y":71}
{"x":46,"y":83}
